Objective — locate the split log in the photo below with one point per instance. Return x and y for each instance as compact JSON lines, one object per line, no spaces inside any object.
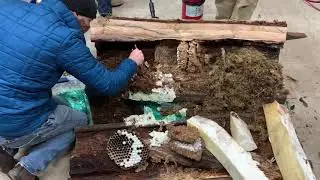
{"x":130,"y":30}
{"x":90,"y":156}
{"x":237,"y":162}
{"x":288,"y":152}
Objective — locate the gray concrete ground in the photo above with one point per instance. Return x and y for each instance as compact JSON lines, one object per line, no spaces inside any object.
{"x":299,"y":58}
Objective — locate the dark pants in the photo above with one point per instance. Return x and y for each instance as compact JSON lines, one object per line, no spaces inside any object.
{"x":105,"y":7}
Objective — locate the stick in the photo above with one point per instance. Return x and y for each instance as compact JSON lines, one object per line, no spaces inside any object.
{"x":110,"y":126}
{"x":295,"y":35}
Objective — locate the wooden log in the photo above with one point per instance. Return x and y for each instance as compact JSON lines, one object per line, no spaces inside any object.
{"x":181,"y":175}
{"x":129,"y":30}
{"x":175,"y":174}
{"x":90,"y":155}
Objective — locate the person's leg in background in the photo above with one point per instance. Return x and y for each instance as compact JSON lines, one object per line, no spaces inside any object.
{"x":116,"y":3}
{"x":224,"y":8}
{"x":244,"y":9}
{"x":105,"y":8}
{"x":235,"y":9}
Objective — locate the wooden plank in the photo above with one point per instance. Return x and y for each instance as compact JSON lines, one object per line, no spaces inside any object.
{"x":289,"y":154}
{"x":128,"y":30}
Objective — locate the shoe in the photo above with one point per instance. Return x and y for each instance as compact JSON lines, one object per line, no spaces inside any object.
{"x":7,"y":161}
{"x":106,"y":15}
{"x":116,"y":3}
{"x":20,"y":173}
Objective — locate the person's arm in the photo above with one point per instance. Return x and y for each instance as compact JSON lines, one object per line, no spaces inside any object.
{"x":76,"y":59}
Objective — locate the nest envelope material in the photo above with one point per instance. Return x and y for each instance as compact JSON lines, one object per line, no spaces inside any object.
{"x":192,"y":151}
{"x":184,"y":134}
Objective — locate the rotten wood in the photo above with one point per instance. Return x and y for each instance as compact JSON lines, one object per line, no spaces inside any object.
{"x":135,"y":177}
{"x":164,"y":176}
{"x":90,"y":155}
{"x":129,"y":30}
{"x":164,"y":154}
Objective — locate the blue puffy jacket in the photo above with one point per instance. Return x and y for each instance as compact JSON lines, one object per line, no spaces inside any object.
{"x":38,"y":42}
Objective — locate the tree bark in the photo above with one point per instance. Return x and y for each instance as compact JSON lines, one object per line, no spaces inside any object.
{"x":130,"y":30}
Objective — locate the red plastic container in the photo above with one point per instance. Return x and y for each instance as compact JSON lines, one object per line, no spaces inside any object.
{"x":192,"y":9}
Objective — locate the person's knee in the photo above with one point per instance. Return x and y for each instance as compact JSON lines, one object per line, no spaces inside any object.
{"x":59,"y":100}
{"x":80,"y":119}
{"x":63,"y":140}
{"x":70,"y":136}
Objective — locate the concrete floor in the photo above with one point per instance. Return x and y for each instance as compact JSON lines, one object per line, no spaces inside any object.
{"x":298,"y":57}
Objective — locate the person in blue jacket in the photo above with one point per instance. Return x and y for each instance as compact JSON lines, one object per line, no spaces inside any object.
{"x":38,"y":42}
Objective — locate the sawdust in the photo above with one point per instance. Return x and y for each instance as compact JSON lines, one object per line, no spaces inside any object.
{"x":268,"y":166}
{"x":184,"y":133}
{"x":163,"y":53}
{"x":142,"y":80}
{"x":180,"y":173}
{"x":166,"y":155}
